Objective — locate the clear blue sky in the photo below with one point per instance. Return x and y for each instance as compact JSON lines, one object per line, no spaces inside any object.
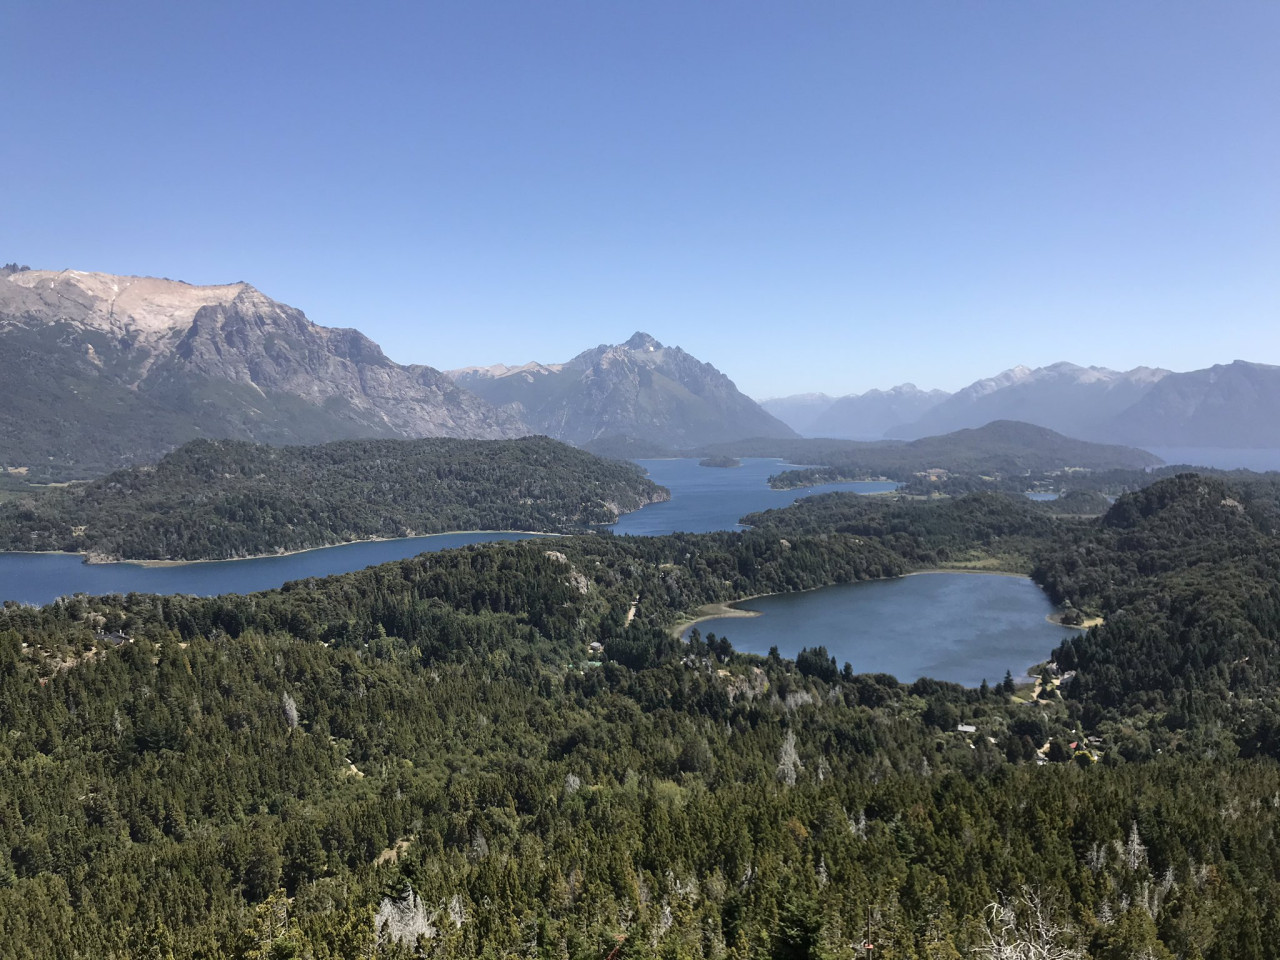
{"x":812,"y":196}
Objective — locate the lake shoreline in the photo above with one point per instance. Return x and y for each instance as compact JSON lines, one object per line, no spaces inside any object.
{"x":92,"y":560}
{"x":968,"y":631}
{"x":966,"y":570}
{"x":1085,"y":625}
{"x":718,"y":611}
{"x":727,"y":610}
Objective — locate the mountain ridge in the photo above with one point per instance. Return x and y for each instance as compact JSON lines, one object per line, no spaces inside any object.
{"x":1230,"y":405}
{"x":1065,"y":397}
{"x":640,"y":390}
{"x":107,"y":370}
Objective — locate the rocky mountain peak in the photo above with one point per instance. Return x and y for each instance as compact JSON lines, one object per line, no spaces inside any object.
{"x":138,"y":365}
{"x":144,"y":306}
{"x":639,"y":390}
{"x":642,"y":341}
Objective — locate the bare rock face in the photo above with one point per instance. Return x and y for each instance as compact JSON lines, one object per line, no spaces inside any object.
{"x":640,"y":390}
{"x":105,"y":370}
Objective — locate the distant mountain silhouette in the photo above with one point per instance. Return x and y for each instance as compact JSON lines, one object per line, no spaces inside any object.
{"x":1073,"y":400}
{"x":870,"y":415}
{"x":800,"y":410}
{"x":1227,"y":405}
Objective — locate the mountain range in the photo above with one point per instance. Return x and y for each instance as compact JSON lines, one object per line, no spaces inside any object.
{"x":103,"y":370}
{"x":1077,"y":401}
{"x":865,"y":416}
{"x":641,"y":391}
{"x":1228,"y":405}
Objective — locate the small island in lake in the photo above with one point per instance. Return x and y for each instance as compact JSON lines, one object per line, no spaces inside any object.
{"x":719,"y":461}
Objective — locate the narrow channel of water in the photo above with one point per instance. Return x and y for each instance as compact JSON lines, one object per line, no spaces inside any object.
{"x":705,"y":499}
{"x":702,"y":499}
{"x":42,"y":577}
{"x":958,"y":627}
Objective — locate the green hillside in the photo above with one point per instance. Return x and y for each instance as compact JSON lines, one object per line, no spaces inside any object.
{"x":428,"y":759}
{"x":222,"y":499}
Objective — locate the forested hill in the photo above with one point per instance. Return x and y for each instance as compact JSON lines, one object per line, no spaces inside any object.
{"x":1184,"y":575}
{"x":1003,"y":447}
{"x":428,"y":758}
{"x":223,"y":499}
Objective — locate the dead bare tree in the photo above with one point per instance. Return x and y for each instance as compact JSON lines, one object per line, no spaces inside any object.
{"x":1027,"y":929}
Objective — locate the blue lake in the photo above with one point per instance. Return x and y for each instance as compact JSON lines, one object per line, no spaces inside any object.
{"x":42,"y":577}
{"x":1224,"y":458}
{"x":959,"y":627}
{"x":702,"y":499}
{"x":956,"y":627}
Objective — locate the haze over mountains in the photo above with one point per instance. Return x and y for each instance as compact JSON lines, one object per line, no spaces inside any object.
{"x":1077,"y":401}
{"x":865,"y":416}
{"x":1228,"y":405}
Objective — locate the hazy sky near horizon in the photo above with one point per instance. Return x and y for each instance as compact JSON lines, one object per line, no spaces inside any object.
{"x":820,"y":196}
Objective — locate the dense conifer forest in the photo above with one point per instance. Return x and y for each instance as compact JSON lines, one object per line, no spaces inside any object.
{"x":428,"y":758}
{"x":213,"y":500}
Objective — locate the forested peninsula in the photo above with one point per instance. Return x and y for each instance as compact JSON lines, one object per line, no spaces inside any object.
{"x":1001,"y":448}
{"x":428,"y":758}
{"x":215,"y":500}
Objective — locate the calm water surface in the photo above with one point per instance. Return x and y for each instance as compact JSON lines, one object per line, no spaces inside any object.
{"x":957,"y":627}
{"x":1223,"y":458}
{"x":704,"y":499}
{"x":42,"y":577}
{"x":949,"y":626}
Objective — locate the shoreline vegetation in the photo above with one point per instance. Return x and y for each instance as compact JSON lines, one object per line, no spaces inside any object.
{"x":1058,"y":617}
{"x":719,"y":611}
{"x":92,"y":559}
{"x":214,"y":500}
{"x":268,"y":750}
